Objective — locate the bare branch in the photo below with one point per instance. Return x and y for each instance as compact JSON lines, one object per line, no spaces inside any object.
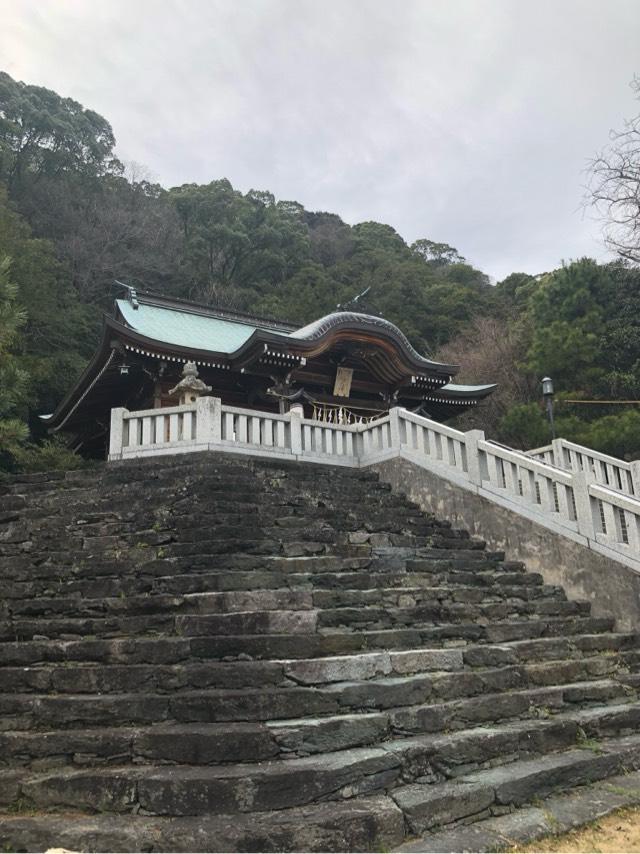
{"x":613,"y":190}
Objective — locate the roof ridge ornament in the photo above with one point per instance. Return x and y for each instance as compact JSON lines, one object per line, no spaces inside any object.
{"x":132,"y":296}
{"x":345,"y":306}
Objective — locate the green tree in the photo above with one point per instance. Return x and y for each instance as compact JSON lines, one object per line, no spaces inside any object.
{"x":437,"y":254}
{"x":59,"y":333}
{"x":42,"y":133}
{"x":235,"y":247}
{"x":331,"y":239}
{"x":310,"y":293}
{"x":380,"y":237}
{"x":569,"y":322}
{"x":525,"y":426}
{"x":13,"y":379}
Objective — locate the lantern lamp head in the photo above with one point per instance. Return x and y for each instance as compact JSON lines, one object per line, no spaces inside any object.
{"x":547,"y":387}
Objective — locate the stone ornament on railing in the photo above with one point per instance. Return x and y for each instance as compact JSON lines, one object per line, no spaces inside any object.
{"x":568,"y":502}
{"x":190,"y":387}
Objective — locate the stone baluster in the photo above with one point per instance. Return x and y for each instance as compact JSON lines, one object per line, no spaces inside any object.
{"x":471,"y":440}
{"x":296,"y":414}
{"x":208,"y":421}
{"x":116,"y":432}
{"x":580,"y":481}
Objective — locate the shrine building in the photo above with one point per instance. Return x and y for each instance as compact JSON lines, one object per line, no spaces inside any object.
{"x":346,"y":367}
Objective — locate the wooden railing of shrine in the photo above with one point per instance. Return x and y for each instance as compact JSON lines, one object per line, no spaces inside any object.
{"x":572,"y":502}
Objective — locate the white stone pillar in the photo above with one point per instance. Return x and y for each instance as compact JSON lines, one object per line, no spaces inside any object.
{"x":558,"y":454}
{"x":116,"y":432}
{"x":580,"y":481}
{"x":635,"y":477}
{"x":208,"y":420}
{"x":394,"y":428}
{"x":296,"y":414}
{"x":474,"y":470}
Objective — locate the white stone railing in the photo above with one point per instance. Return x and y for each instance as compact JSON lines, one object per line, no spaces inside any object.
{"x":608,"y":471}
{"x":569,"y":502}
{"x":208,"y":425}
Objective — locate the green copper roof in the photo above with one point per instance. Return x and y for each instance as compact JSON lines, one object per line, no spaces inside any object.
{"x":184,"y":329}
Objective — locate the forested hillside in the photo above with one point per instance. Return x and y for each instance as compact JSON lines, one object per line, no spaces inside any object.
{"x":73,"y":219}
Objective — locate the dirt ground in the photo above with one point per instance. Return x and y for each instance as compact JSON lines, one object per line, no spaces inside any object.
{"x":618,"y":832}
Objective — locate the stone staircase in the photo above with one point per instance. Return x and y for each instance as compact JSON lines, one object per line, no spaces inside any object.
{"x":213,"y":653}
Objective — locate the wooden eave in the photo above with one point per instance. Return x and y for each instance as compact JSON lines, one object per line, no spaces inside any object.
{"x":383,"y":355}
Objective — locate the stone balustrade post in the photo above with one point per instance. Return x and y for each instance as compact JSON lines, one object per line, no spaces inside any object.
{"x":394,"y":428}
{"x":471,"y":440}
{"x":558,"y":453}
{"x":116,"y":432}
{"x":296,"y":414}
{"x":580,"y":481}
{"x":208,"y":420}
{"x":634,"y":471}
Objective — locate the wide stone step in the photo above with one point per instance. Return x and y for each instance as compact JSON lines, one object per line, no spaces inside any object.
{"x":201,"y":602}
{"x":204,"y":468}
{"x":85,"y":557}
{"x":224,"y":495}
{"x":426,"y":613}
{"x":133,"y":525}
{"x":228,"y":617}
{"x":428,"y":807}
{"x":427,"y":559}
{"x":209,"y":743}
{"x":407,"y":594}
{"x":189,"y":790}
{"x":411,"y":697}
{"x":365,"y":617}
{"x":348,"y":575}
{"x":489,"y":708}
{"x":358,"y":824}
{"x":251,"y":622}
{"x":190,"y":744}
{"x":105,"y":678}
{"x":62,"y":567}
{"x":70,"y":678}
{"x":282,"y":598}
{"x":169,"y":650}
{"x":116,"y":576}
{"x":487,"y":740}
{"x":414,"y":690}
{"x":449,"y":755}
{"x":543,"y":649}
{"x":185,"y":790}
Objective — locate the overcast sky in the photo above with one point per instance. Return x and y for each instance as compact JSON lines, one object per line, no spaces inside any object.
{"x":464,"y":121}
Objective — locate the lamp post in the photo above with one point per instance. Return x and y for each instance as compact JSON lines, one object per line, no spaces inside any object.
{"x":547,"y":394}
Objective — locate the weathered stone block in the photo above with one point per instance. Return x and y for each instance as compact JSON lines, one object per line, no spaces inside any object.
{"x":426,"y":807}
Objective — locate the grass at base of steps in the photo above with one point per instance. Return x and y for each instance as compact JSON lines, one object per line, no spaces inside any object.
{"x":619,"y":831}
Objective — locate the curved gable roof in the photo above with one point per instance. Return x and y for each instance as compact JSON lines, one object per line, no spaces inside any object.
{"x":188,"y":325}
{"x":184,"y":328}
{"x":353,"y":321}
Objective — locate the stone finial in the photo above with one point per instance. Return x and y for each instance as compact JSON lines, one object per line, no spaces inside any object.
{"x":190,"y":388}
